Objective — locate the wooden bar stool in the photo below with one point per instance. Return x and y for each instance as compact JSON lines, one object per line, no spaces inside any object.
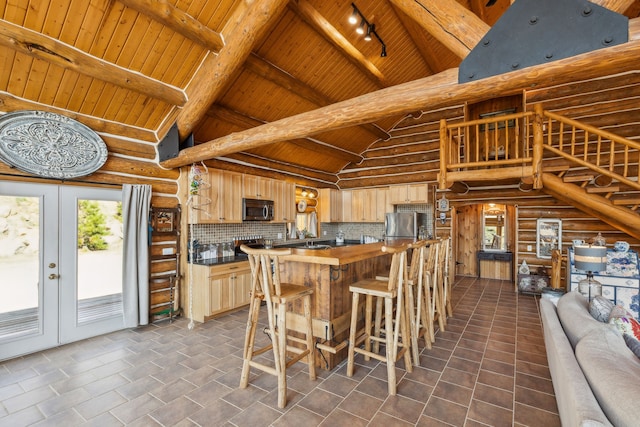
{"x":415,"y":304}
{"x":439,"y":297}
{"x":424,"y":311}
{"x":446,"y":282}
{"x":265,"y":285}
{"x":430,"y":291}
{"x":391,"y":292}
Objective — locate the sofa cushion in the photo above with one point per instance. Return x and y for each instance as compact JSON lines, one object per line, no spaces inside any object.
{"x":573,"y":311}
{"x":632,"y":343}
{"x":577,"y":405}
{"x":600,"y":308}
{"x":627,"y":325}
{"x":613,"y":373}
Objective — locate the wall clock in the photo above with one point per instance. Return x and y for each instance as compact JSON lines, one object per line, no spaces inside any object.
{"x":50,"y":145}
{"x":302,"y":205}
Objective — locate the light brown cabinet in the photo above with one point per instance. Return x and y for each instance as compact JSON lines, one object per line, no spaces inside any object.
{"x":219,"y":199}
{"x":257,"y":187}
{"x":408,"y":194}
{"x":284,"y":200}
{"x":330,"y":203}
{"x":220,"y":288}
{"x":364,"y":205}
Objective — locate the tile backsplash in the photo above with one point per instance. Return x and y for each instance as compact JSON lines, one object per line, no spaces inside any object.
{"x":219,"y":233}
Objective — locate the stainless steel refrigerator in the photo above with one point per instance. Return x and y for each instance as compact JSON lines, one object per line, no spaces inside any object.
{"x":404,"y":224}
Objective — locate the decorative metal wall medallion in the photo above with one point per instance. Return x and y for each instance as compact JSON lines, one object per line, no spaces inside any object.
{"x":50,"y":145}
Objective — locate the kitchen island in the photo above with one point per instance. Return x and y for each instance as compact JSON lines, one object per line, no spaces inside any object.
{"x":330,"y":272}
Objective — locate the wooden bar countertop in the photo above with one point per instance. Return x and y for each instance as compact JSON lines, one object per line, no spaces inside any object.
{"x":341,"y":255}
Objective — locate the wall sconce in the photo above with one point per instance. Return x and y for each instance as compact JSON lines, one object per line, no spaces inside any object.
{"x":366,"y":28}
{"x":443,"y":217}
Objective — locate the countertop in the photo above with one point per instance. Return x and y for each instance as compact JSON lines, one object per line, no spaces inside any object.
{"x":330,"y":256}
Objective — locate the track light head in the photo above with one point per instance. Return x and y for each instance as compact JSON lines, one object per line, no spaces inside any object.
{"x":370,"y":28}
{"x":360,"y":29}
{"x":383,"y":54}
{"x":353,"y":18}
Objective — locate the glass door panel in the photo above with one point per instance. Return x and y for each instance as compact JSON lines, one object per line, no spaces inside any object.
{"x":91,"y":278}
{"x":28,"y":268}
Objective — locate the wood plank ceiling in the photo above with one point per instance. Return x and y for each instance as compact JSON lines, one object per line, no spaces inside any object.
{"x":130,"y":69}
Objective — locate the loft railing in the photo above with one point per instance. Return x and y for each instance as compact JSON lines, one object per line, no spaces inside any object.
{"x":515,"y":145}
{"x":604,"y":153}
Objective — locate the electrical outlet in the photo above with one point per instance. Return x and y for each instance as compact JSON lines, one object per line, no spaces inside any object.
{"x":324,"y":232}
{"x":167,"y":251}
{"x":279,"y":235}
{"x":529,"y":248}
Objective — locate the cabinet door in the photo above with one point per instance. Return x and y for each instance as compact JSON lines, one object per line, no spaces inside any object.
{"x":381,"y":204}
{"x":330,"y":205}
{"x":417,"y":193}
{"x":284,"y":196}
{"x":257,"y":187}
{"x":220,"y":293}
{"x":241,"y":285}
{"x":397,"y":194}
{"x":230,"y":197}
{"x":347,"y":207}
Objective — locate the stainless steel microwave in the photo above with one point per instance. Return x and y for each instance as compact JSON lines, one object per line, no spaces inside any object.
{"x":257,"y":210}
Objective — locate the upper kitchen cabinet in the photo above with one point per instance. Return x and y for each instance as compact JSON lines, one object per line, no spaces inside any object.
{"x":408,"y":194}
{"x":257,"y":187}
{"x":363,"y":205}
{"x":219,"y":198}
{"x":330,"y":202}
{"x":284,"y":201}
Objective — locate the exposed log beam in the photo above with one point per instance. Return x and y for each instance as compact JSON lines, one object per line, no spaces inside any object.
{"x":319,"y":147}
{"x":182,"y":23}
{"x":619,"y":217}
{"x":452,"y":24}
{"x":247,"y":159}
{"x":68,"y":57}
{"x":322,"y":26}
{"x":248,"y":23}
{"x":10,"y":102}
{"x":268,"y":71}
{"x":428,"y":93}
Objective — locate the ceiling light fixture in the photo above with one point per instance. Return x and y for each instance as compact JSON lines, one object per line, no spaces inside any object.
{"x":370,"y":28}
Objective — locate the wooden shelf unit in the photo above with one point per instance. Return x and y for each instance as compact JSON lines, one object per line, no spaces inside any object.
{"x":164,"y":263}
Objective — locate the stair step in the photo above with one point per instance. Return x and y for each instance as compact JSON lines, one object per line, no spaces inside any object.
{"x":578,"y":178}
{"x":610,"y":189}
{"x":622,"y":202}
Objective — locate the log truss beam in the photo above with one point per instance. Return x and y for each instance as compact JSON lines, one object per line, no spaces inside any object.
{"x":448,"y":21}
{"x":247,"y":25}
{"x":68,"y":57}
{"x":179,"y":21}
{"x":430,"y":92}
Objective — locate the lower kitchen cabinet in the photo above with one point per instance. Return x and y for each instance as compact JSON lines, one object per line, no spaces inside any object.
{"x":220,"y":288}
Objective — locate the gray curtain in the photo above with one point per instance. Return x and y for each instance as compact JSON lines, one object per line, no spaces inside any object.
{"x":136,"y":201}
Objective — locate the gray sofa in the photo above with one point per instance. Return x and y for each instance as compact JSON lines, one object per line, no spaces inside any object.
{"x":596,"y":377}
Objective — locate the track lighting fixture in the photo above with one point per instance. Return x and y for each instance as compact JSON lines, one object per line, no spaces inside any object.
{"x":370,"y":28}
{"x":365,"y":28}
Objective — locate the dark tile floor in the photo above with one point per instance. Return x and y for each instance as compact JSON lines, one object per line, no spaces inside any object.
{"x":488,"y":368}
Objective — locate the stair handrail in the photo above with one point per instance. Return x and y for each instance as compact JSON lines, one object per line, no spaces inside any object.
{"x":602,"y":137}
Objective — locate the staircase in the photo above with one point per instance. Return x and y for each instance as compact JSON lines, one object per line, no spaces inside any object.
{"x":592,"y":169}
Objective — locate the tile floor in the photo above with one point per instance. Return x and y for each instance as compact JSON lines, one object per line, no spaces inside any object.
{"x":487,"y":369}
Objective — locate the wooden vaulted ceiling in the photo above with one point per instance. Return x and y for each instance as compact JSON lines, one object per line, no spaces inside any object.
{"x":224,"y":70}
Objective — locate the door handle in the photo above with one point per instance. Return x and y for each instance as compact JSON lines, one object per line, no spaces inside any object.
{"x":53,"y":276}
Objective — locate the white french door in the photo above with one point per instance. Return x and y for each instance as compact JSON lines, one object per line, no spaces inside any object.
{"x":60,"y":265}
